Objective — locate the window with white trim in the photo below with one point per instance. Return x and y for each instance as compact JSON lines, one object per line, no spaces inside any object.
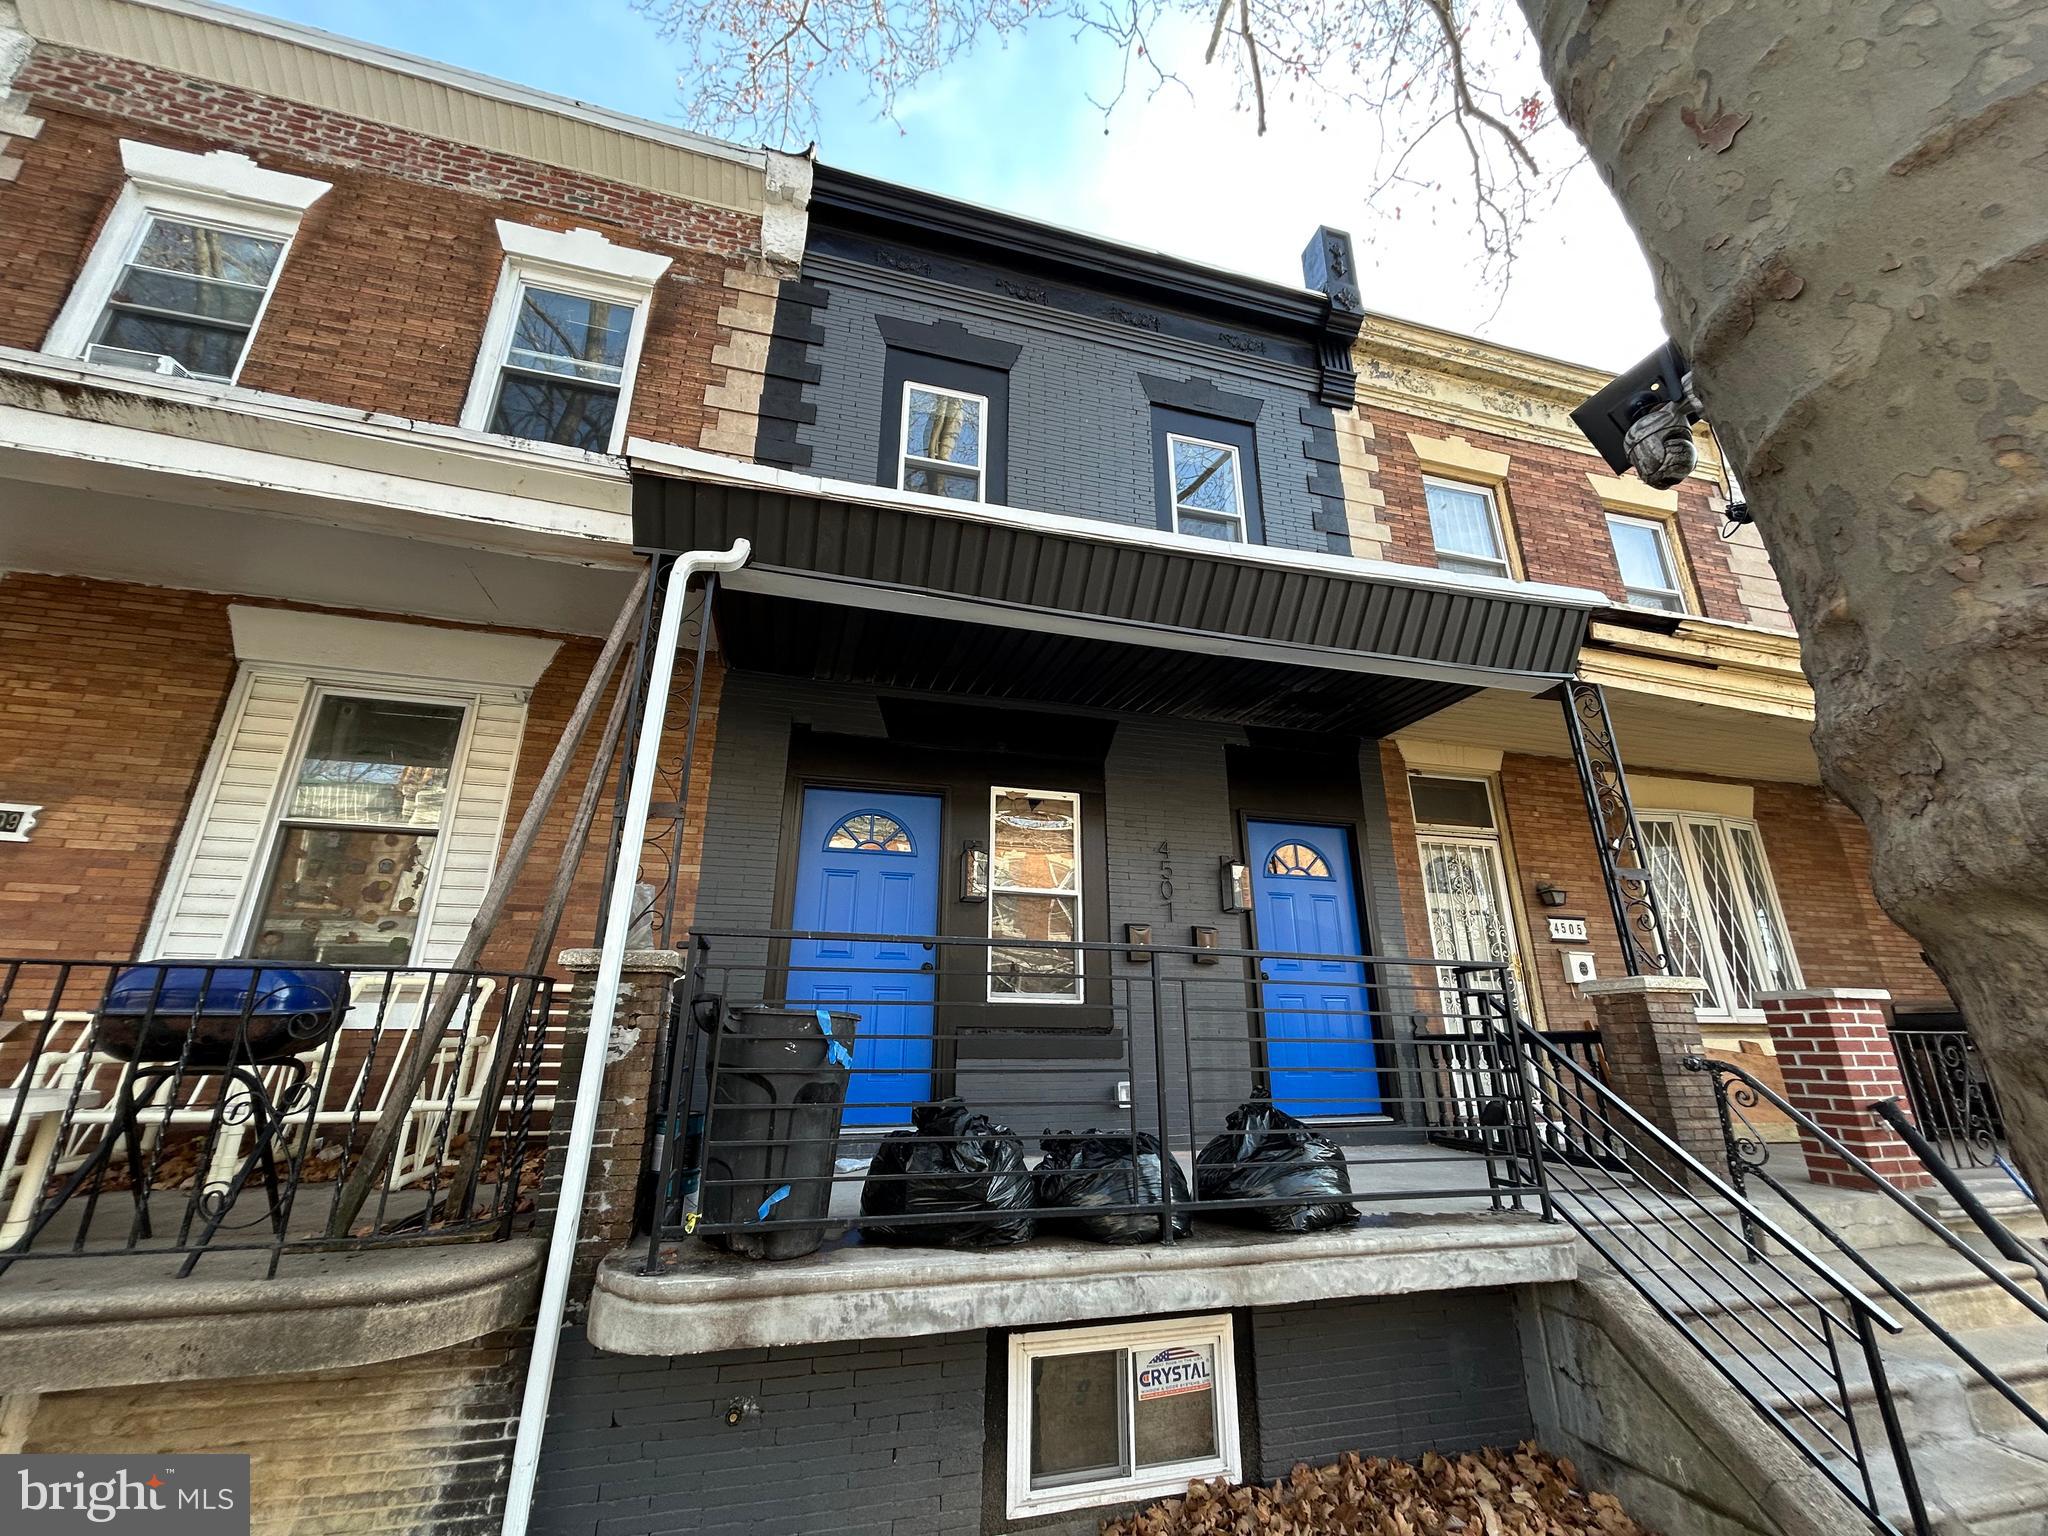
{"x":353,"y":846}
{"x":1719,"y":906}
{"x":1208,"y":488}
{"x":945,"y":443}
{"x":185,"y":265}
{"x":562,"y":343}
{"x":1111,"y":1415}
{"x":1649,"y":568}
{"x":1465,"y":526}
{"x":1034,"y":894}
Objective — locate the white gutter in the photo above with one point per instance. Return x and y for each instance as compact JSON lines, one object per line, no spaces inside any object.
{"x":604,"y":1005}
{"x":696,"y":464}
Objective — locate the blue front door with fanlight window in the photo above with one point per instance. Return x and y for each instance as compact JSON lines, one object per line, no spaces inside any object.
{"x":1316,"y":1017}
{"x":869,"y":863}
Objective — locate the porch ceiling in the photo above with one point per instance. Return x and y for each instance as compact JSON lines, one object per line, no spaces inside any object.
{"x":877,"y":648}
{"x":918,"y":582}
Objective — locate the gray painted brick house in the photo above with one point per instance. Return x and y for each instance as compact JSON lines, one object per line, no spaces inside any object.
{"x":1048,"y":745}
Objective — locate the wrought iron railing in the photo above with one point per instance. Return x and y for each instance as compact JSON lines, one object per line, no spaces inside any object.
{"x":1748,"y":1156}
{"x":1761,"y":1308}
{"x":1149,"y":1048}
{"x":195,"y":1107}
{"x":1951,"y":1094}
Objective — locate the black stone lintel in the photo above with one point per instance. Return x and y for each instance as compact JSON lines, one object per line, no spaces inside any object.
{"x":948,"y":339}
{"x":1200,"y":396}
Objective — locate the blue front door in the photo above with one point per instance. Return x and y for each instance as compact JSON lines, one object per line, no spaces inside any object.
{"x":869,"y":863}
{"x":1317,"y":1022}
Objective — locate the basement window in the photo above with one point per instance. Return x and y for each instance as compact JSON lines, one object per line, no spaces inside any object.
{"x":185,"y":266}
{"x":562,"y":343}
{"x":1112,"y":1415}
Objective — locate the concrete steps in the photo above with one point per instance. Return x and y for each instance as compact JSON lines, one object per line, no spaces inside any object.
{"x":1982,"y":1465}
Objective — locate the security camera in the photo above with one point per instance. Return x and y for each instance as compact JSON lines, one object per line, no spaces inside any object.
{"x":1642,"y":419}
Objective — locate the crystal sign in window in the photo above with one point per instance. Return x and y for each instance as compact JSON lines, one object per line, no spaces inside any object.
{"x":1102,"y":1415}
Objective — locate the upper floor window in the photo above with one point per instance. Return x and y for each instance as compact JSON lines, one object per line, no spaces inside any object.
{"x":1464,"y":524}
{"x":945,"y":442}
{"x":563,"y":339}
{"x":1649,"y":573}
{"x":181,"y":274}
{"x":1208,"y":488}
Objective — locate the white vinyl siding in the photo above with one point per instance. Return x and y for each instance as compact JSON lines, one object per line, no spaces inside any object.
{"x":232,"y":832}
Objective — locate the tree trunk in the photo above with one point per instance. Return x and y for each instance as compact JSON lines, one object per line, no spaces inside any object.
{"x":1860,"y":276}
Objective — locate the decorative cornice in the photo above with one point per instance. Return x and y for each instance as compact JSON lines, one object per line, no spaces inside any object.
{"x":1420,"y":370}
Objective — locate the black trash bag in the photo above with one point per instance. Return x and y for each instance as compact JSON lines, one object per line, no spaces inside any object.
{"x":1269,"y":1155}
{"x":953,"y":1163}
{"x":1099,"y":1168}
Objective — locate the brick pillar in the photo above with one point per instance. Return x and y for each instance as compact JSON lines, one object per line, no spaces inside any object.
{"x":1834,"y":1048}
{"x":1647,"y":1027}
{"x":619,"y":1148}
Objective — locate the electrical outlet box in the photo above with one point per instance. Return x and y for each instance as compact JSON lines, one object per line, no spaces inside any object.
{"x":1578,"y":966}
{"x":1568,"y":928}
{"x":1123,"y":1093}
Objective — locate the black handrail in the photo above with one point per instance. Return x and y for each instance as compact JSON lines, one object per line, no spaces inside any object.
{"x":1649,"y":1193}
{"x":1996,"y":1232}
{"x":1732,"y":1101}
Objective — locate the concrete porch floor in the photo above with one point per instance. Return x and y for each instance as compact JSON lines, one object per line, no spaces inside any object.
{"x":1428,"y":1225}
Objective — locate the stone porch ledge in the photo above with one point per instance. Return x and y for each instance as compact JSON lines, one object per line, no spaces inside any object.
{"x":711,"y":1301}
{"x":125,"y":1320}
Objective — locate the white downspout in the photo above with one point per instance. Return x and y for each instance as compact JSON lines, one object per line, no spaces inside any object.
{"x":604,"y":1004}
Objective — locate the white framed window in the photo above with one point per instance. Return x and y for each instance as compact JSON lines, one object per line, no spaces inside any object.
{"x":185,"y":265}
{"x":1208,"y":488}
{"x":355,"y":841}
{"x":562,"y":342}
{"x":1719,"y":906}
{"x":1034,"y":893}
{"x":1464,"y":524}
{"x":1649,"y":567}
{"x":1112,"y":1415}
{"x":944,"y":443}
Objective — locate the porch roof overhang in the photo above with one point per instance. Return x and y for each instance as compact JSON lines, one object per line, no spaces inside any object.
{"x":854,"y":583}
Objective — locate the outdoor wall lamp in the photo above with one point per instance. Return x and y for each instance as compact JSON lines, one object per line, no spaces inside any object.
{"x":974,"y":873}
{"x":1552,"y":895}
{"x":1234,"y":884}
{"x":1642,"y":419}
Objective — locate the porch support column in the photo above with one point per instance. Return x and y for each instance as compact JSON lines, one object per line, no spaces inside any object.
{"x":1647,"y":1028}
{"x":619,"y":1150}
{"x":1834,"y":1047}
{"x":1624,"y":866}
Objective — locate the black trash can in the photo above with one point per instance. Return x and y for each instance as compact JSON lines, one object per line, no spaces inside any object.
{"x":773,"y":1129}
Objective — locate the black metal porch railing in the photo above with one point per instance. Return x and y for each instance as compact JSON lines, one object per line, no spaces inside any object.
{"x":1951,"y":1094}
{"x":1153,"y":1048}
{"x":193,"y":1107}
{"x":1762,"y":1309}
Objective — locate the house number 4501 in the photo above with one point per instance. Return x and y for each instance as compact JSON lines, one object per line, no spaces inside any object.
{"x":1166,"y":877}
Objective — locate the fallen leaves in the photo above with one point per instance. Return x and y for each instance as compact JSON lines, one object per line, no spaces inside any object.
{"x":1524,"y":1492}
{"x":1717,"y":132}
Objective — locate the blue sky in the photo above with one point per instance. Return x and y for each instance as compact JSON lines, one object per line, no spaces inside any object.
{"x":1012,"y":126}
